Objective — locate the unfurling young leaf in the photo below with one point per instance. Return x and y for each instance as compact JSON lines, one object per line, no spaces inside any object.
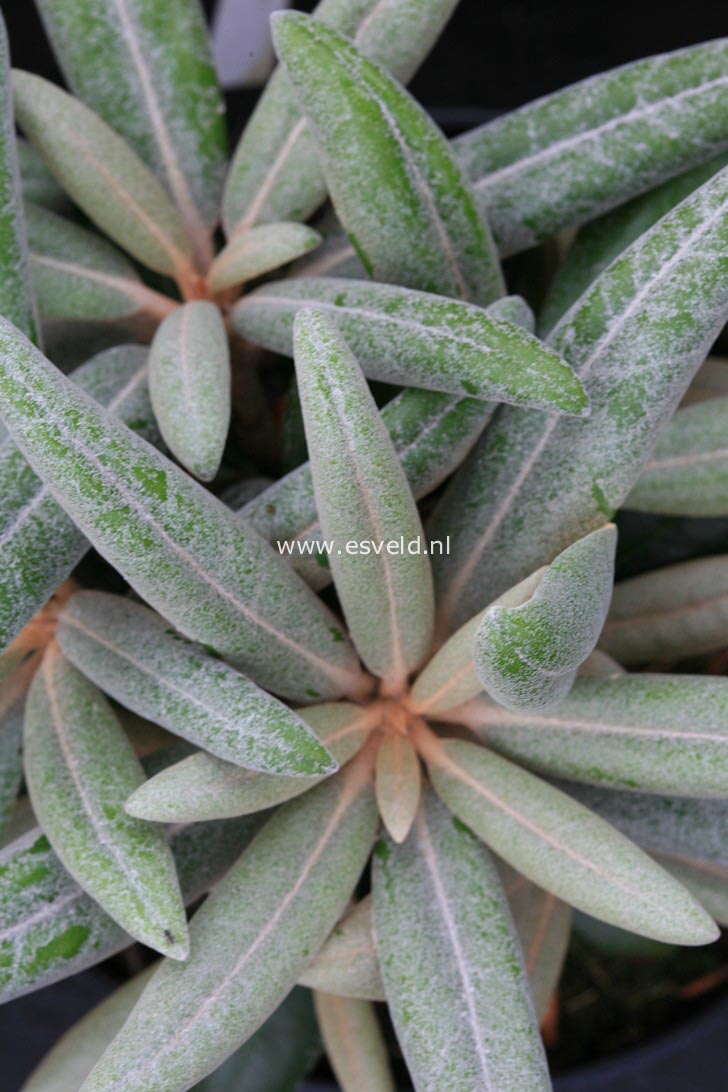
{"x":561,"y":846}
{"x":80,"y":769}
{"x":178,"y":546}
{"x":258,"y":251}
{"x":454,"y":977}
{"x":354,"y":1043}
{"x":397,"y":784}
{"x":250,"y":941}
{"x":670,"y":613}
{"x":134,"y":656}
{"x":189,"y":381}
{"x":204,"y":787}
{"x":275,"y":173}
{"x":526,"y":655}
{"x":395,"y":184}
{"x":146,"y":69}
{"x":418,"y":339}
{"x":362,"y":496}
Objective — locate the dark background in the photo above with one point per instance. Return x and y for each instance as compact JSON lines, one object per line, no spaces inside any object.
{"x":493,"y":56}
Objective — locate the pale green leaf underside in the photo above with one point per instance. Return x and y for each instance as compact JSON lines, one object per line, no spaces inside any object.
{"x":347,"y":964}
{"x":260,"y":250}
{"x":455,"y":981}
{"x":249,"y":942}
{"x":526,"y":655}
{"x":178,"y":546}
{"x":418,"y":339}
{"x":139,"y":660}
{"x":362,"y":495}
{"x":354,"y":1043}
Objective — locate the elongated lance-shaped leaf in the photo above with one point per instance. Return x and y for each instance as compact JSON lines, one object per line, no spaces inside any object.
{"x":51,"y":928}
{"x":74,"y":1055}
{"x":37,"y":183}
{"x":17,"y":300}
{"x":687,"y":472}
{"x":453,"y":972}
{"x":449,"y":679}
{"x":655,"y":733}
{"x":275,"y":173}
{"x":670,"y":613}
{"x":680,"y":826}
{"x":635,"y":338}
{"x":11,"y":762}
{"x":569,"y":156}
{"x":80,"y":768}
{"x":601,"y":241}
{"x":348,"y":964}
{"x":102,"y":174}
{"x":260,"y":250}
{"x":354,"y":1043}
{"x":431,"y":433}
{"x":145,"y":67}
{"x":707,"y":882}
{"x":189,"y":380}
{"x":40,"y":545}
{"x":178,"y":546}
{"x":418,"y":339}
{"x":543,"y":924}
{"x":362,"y":494}
{"x":397,"y":784}
{"x":250,"y":941}
{"x":526,"y":656}
{"x":277,"y":1057}
{"x":397,"y":188}
{"x":204,"y":787}
{"x":561,"y":846}
{"x":134,"y":656}
{"x":79,"y":275}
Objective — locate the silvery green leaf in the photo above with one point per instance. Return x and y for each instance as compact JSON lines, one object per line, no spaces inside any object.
{"x":543,"y":924}
{"x":37,"y":182}
{"x":189,"y":381}
{"x":79,"y":275}
{"x":80,"y":768}
{"x":567,"y":157}
{"x":102,"y":174}
{"x":50,"y":928}
{"x":535,"y":483}
{"x":601,"y":241}
{"x":706,"y":881}
{"x":252,"y":938}
{"x":431,"y":433}
{"x":347,"y":964}
{"x":73,"y":1056}
{"x":11,"y":762}
{"x":397,"y":188}
{"x":16,"y":294}
{"x":670,"y":613}
{"x":134,"y":656}
{"x":277,"y":1057}
{"x":677,"y":825}
{"x":275,"y":173}
{"x":561,"y":846}
{"x":204,"y":787}
{"x":181,"y":549}
{"x":526,"y":655}
{"x":354,"y":1043}
{"x":362,"y":495}
{"x":449,"y":678}
{"x":258,"y":251}
{"x":39,"y":544}
{"x":145,"y":67}
{"x":651,"y":733}
{"x":455,"y":981}
{"x":687,"y":472}
{"x":397,"y":784}
{"x":417,"y":339}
